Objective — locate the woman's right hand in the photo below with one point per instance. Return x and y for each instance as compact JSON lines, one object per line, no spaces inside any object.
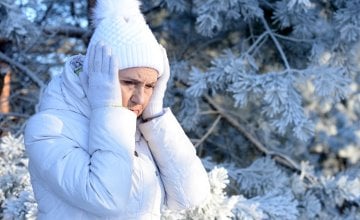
{"x":104,"y":86}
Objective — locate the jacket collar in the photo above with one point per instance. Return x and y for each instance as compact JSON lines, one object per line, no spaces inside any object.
{"x":65,"y":91}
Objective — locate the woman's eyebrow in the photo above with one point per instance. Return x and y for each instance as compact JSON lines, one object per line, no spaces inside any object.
{"x":130,"y":79}
{"x":138,"y":81}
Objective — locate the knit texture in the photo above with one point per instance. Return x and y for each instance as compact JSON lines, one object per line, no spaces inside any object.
{"x":127,"y":34}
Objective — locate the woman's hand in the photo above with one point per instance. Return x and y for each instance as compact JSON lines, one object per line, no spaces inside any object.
{"x":155,"y":106}
{"x":104,"y":86}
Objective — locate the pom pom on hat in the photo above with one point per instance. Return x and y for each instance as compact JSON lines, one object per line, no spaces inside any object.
{"x":112,"y":9}
{"x":121,"y":26}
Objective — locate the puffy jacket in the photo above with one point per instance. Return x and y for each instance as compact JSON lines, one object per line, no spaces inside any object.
{"x":106,"y":163}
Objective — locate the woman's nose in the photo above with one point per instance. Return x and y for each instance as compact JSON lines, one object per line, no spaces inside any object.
{"x":138,"y":96}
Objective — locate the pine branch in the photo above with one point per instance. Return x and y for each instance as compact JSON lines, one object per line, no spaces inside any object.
{"x":208,"y":112}
{"x":233,"y":157}
{"x":23,"y":69}
{"x":47,"y":12}
{"x":69,"y":31}
{"x":293,"y":39}
{"x":279,"y":157}
{"x":276,"y":42}
{"x":258,"y":40}
{"x":234,"y":123}
{"x":211,"y":129}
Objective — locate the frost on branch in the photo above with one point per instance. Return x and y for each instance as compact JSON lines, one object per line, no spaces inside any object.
{"x":16,"y":196}
{"x":216,"y":16}
{"x":15,"y":25}
{"x":217,"y":206}
{"x":261,"y":177}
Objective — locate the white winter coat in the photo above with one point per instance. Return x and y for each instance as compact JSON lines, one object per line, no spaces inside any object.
{"x":106,"y":164}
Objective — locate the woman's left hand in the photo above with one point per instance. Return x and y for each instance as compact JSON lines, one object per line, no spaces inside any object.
{"x":155,"y":106}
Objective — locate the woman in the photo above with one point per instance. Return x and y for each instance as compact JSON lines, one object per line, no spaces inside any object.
{"x":102,"y":146}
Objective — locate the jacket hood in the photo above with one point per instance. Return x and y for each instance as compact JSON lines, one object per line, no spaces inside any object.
{"x":67,"y":91}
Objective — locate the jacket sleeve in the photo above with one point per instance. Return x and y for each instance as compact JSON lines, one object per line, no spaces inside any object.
{"x":185,"y":179}
{"x":97,"y":180}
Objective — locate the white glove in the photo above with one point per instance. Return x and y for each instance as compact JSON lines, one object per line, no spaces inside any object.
{"x":155,"y":106}
{"x":104,"y":87}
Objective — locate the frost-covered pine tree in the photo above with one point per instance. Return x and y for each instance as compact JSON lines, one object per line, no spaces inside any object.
{"x":16,"y":196}
{"x":268,"y":90}
{"x":278,"y":79}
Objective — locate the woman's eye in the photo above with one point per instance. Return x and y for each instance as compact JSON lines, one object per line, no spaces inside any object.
{"x":125,"y":82}
{"x":150,"y":86}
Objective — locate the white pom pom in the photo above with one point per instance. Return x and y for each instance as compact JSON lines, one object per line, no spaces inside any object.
{"x":115,"y":9}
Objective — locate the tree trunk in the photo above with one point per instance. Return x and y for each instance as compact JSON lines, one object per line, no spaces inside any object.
{"x":91,"y":5}
{"x":4,"y":88}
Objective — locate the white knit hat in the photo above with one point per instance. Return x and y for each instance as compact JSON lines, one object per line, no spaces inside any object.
{"x":121,"y":25}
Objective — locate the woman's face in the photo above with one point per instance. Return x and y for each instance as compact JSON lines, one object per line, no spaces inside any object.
{"x":137,"y":85}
